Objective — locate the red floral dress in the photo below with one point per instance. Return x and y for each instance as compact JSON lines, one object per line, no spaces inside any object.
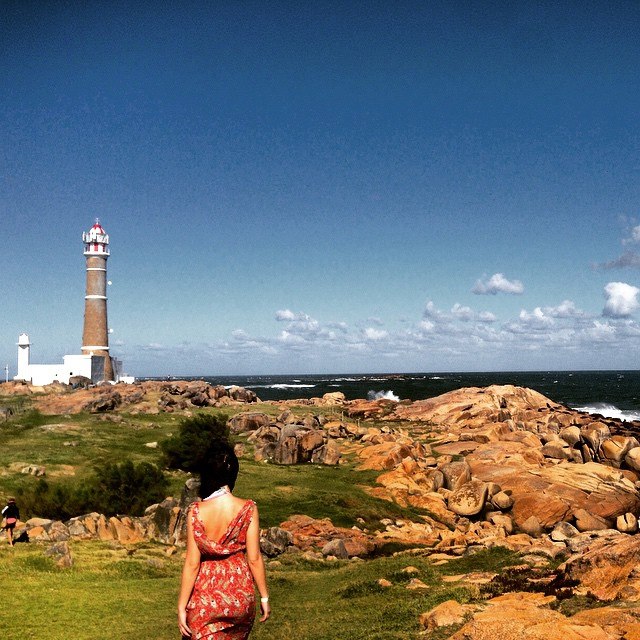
{"x":222,"y":603}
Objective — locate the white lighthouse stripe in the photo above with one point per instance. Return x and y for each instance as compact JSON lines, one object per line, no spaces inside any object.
{"x":93,"y":347}
{"x":94,"y":297}
{"x":96,"y":269}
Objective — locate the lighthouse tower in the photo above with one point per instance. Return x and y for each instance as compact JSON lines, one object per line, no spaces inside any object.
{"x":95,"y":336}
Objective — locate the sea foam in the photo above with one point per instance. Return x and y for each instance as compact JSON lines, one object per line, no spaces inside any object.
{"x":382,"y":395}
{"x":609,"y":411}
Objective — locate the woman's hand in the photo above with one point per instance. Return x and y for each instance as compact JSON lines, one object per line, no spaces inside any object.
{"x":182,"y":623}
{"x":265,"y":608}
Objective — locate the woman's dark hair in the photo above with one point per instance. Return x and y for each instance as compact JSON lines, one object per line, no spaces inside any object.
{"x":222,"y":469}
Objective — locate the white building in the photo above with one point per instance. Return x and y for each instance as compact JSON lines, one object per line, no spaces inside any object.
{"x":86,"y":365}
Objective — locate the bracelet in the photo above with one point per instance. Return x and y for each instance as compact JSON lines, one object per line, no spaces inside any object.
{"x":265,"y":600}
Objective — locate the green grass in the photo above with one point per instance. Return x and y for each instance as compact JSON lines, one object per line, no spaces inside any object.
{"x":280,"y":491}
{"x":317,"y":491}
{"x":111,"y":595}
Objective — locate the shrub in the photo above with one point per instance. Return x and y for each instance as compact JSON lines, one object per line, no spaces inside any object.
{"x":198,"y":440}
{"x":123,"y":488}
{"x":128,"y":488}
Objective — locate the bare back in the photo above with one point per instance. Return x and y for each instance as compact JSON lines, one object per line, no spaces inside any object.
{"x":217,"y":514}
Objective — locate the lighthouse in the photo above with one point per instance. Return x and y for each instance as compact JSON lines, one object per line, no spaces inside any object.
{"x":95,"y":335}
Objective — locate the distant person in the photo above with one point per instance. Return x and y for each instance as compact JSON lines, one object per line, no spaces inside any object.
{"x":217,"y":599}
{"x":11,"y":514}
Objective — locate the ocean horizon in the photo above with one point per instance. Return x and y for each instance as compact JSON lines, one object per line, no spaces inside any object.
{"x":614,"y":394}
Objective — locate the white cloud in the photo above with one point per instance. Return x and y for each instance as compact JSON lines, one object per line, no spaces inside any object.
{"x":462,"y":313}
{"x":374,"y":334}
{"x":600,"y":332}
{"x":621,"y":300}
{"x":497,"y":283}
{"x":285,"y":315}
{"x":566,"y":309}
{"x":467,"y":314}
{"x":536,"y":318}
{"x":432,"y":312}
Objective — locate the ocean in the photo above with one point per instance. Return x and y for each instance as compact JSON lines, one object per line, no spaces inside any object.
{"x":614,"y":394}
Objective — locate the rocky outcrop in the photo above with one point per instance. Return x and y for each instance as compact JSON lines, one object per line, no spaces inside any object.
{"x":530,"y":616}
{"x":142,"y":397}
{"x":292,"y":440}
{"x":525,"y":456}
{"x":309,"y":534}
{"x":606,"y":567}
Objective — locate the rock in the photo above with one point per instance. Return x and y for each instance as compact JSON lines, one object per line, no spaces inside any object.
{"x":107,"y":401}
{"x":547,"y":508}
{"x":595,"y":433}
{"x":444,"y":615}
{"x":61,"y":554}
{"x":571,"y":435}
{"x":586,"y":521}
{"x":151,"y":445}
{"x":240,"y":394}
{"x":164,"y":521}
{"x":244,"y":422}
{"x":386,"y":455}
{"x":333,"y":398}
{"x":335,"y":548}
{"x":502,"y":500}
{"x":468,"y":499}
{"x":416,"y":583}
{"x":526,"y":616}
{"x":308,"y":442}
{"x":34,"y":470}
{"x":562,"y":531}
{"x":501,"y":520}
{"x":632,"y":458}
{"x":455,"y":474}
{"x":328,"y":454}
{"x":606,"y":568}
{"x":614,"y":449}
{"x":558,"y":449}
{"x":384,"y":583}
{"x":309,"y":533}
{"x":275,"y":541}
{"x":627,"y":523}
{"x":532,"y":527}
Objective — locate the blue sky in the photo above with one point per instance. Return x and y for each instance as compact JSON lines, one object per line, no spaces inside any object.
{"x":324,"y":187}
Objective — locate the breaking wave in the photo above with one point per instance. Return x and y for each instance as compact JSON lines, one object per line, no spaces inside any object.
{"x":609,"y":411}
{"x":382,"y":395}
{"x":281,"y":386}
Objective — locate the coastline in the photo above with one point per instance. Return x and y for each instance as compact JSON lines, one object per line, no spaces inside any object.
{"x":616,"y":393}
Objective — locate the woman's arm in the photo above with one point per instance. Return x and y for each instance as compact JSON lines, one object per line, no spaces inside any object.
{"x":189,"y":573}
{"x":256,"y":563}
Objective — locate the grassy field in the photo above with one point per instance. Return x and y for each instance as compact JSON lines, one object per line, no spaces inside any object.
{"x":114,"y":593}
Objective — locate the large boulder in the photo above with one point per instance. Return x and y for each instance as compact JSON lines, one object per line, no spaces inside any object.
{"x":607,"y":568}
{"x":243,"y":422}
{"x":468,"y":499}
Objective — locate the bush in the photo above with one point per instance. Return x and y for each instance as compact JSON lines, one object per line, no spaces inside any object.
{"x":128,"y":488}
{"x":198,"y":440}
{"x":123,"y":488}
{"x":202,"y":446}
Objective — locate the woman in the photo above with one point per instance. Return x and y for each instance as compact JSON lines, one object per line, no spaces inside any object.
{"x":11,"y":514}
{"x":217,"y":599}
